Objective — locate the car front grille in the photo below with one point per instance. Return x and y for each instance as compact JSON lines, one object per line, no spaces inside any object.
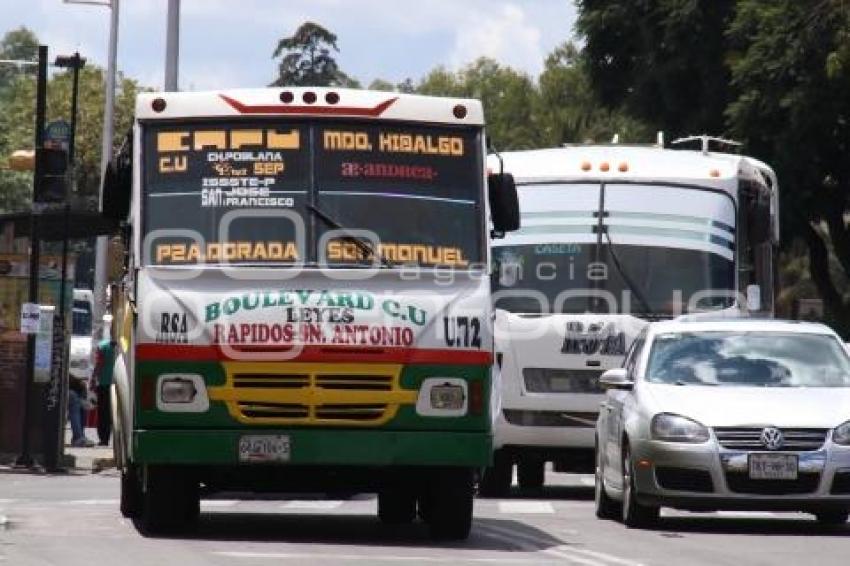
{"x":841,"y":483}
{"x":684,"y":479}
{"x":749,"y":438}
{"x":740,"y":482}
{"x":572,"y":419}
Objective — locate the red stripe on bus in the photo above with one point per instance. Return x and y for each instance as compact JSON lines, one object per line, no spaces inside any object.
{"x":373,"y":112}
{"x":183,"y":352}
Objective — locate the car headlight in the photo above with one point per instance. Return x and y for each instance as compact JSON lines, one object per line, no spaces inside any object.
{"x":177,"y":390}
{"x":675,"y":428}
{"x":182,"y":393}
{"x":841,"y":434}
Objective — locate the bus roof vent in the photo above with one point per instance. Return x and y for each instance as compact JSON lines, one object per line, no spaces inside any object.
{"x":706,"y":141}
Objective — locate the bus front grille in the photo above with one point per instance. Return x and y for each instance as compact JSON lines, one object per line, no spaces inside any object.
{"x":313,"y":394}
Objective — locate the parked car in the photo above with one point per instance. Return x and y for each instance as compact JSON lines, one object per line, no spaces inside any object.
{"x":733,"y":414}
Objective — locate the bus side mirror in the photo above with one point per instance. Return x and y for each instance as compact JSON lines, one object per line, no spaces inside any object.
{"x":504,"y":204}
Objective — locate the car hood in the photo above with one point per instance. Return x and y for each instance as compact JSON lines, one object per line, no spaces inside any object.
{"x":793,"y":407}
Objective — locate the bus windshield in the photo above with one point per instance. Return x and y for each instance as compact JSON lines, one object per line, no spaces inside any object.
{"x":659,"y":250}
{"x":269,"y":192}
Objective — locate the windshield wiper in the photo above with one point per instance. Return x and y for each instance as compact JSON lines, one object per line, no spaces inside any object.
{"x":634,"y":289}
{"x":364,"y":245}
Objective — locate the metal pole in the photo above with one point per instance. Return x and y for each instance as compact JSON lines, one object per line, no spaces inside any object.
{"x":172,"y":45}
{"x":105,"y":157}
{"x":74,"y":90}
{"x":25,"y":458}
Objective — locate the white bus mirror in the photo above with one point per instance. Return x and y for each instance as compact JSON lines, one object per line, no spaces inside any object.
{"x":753,"y":298}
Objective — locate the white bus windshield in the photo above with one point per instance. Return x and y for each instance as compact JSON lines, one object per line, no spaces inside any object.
{"x":661,"y":248}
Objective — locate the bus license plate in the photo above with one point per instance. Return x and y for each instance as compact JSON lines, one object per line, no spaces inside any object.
{"x":773,"y":466}
{"x":264,"y":448}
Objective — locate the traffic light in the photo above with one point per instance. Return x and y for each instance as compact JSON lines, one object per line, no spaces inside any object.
{"x":54,"y":180}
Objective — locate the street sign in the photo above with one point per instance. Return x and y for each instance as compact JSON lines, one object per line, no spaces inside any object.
{"x":30,"y":318}
{"x":57,"y":132}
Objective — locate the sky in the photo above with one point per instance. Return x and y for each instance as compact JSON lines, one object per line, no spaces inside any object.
{"x":226,"y":43}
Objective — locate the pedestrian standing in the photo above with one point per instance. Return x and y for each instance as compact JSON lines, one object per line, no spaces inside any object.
{"x":102,"y":376}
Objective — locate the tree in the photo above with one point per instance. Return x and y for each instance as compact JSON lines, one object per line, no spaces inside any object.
{"x":20,"y":44}
{"x":509,"y":99}
{"x":663,"y":61}
{"x":791,"y":75}
{"x":568,"y":111}
{"x":307,"y":59}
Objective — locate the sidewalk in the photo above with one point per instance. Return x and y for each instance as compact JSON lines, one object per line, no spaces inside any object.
{"x":77,"y":460}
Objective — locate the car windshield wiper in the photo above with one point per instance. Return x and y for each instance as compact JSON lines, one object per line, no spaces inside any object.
{"x":364,"y":245}
{"x":629,"y":283}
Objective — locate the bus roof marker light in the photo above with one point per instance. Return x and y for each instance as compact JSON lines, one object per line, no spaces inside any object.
{"x":459,"y":111}
{"x":309,"y":97}
{"x":604,"y":167}
{"x":585,"y":166}
{"x":714,"y":173}
{"x":623,"y":167}
{"x":158,"y":104}
{"x":332,"y":97}
{"x":287,"y":97}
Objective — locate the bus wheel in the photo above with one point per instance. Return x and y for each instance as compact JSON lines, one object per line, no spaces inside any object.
{"x":496,"y":480}
{"x":171,"y":500}
{"x":449,"y":503}
{"x":531,"y":473}
{"x":396,"y":506}
{"x":131,"y":491}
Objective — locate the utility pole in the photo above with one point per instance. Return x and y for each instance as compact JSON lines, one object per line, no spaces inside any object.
{"x":25,"y":458}
{"x":105,"y":156}
{"x":172,"y":46}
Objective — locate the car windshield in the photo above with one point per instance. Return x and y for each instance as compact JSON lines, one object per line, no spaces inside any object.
{"x":748,"y":359}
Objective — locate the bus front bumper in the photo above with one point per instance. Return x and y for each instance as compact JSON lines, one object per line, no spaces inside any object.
{"x":318,"y":447}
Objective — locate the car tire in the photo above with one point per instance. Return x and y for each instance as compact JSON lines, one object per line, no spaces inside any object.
{"x":497,"y":479}
{"x":832,"y":517}
{"x":531,"y":473}
{"x":396,"y":506}
{"x":606,"y":508}
{"x":635,"y":515}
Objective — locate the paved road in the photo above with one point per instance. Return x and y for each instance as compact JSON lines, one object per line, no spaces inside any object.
{"x":73,"y":520}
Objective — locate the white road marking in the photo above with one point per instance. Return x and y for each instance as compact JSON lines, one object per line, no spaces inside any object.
{"x":368,"y":557}
{"x":576,"y":555}
{"x":90,"y":502}
{"x":746,"y":514}
{"x":219,"y":502}
{"x":529,"y":507}
{"x":311,"y":504}
{"x":7,"y":501}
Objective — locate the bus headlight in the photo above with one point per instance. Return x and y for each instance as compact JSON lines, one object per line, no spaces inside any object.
{"x":181,"y":393}
{"x":443,"y":397}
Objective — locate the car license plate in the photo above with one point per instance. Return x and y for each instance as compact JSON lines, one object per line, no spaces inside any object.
{"x":264,"y":448}
{"x":773,"y":466}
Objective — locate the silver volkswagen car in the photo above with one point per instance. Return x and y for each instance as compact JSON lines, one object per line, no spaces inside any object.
{"x":726,"y":414}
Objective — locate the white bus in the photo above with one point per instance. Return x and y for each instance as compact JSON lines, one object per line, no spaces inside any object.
{"x":307,"y":300}
{"x":612,"y":237}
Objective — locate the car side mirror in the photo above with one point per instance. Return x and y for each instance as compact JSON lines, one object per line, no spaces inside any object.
{"x":504,"y":204}
{"x":616,"y":378}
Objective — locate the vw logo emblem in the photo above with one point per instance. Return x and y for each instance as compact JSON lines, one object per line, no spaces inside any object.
{"x":772,"y":438}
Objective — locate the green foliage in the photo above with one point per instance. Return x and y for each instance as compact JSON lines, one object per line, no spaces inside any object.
{"x":660,"y":60}
{"x":22,"y":45}
{"x":307,"y":59}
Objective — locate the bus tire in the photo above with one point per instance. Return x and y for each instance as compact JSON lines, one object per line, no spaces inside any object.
{"x":396,"y":506}
{"x":450,"y":494}
{"x":131,"y":491}
{"x":171,"y":500}
{"x":497,"y":479}
{"x":531,"y":473}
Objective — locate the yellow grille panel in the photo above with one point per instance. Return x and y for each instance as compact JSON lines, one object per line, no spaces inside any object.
{"x":312,"y":393}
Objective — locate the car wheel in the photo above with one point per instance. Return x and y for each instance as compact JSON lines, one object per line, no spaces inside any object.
{"x":832,"y":517}
{"x":131,"y":491}
{"x":447,"y":504}
{"x":170,"y":500}
{"x":606,"y":508}
{"x":635,"y":515}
